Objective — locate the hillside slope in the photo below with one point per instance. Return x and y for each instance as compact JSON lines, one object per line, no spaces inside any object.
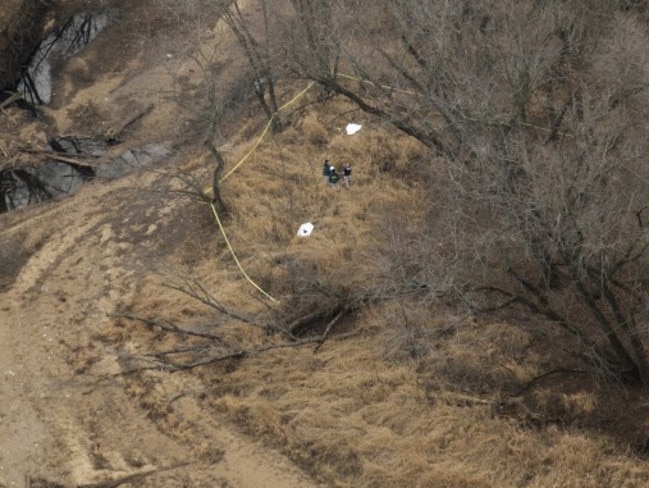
{"x":402,"y":393}
{"x":68,"y":265}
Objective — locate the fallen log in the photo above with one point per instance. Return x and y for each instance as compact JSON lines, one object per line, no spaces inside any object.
{"x":115,"y":132}
{"x":77,"y":160}
{"x":8,"y":101}
{"x":114,"y":483}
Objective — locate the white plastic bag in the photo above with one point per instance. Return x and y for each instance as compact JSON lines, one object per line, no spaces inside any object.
{"x":353,"y":129}
{"x":305,"y":229}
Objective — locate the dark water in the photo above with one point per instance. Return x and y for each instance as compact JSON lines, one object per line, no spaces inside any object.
{"x":24,"y":186}
{"x":84,"y":146}
{"x":29,"y":185}
{"x":134,"y":159}
{"x":36,"y":81}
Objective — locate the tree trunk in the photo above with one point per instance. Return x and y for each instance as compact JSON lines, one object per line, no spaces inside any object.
{"x":218,"y":172}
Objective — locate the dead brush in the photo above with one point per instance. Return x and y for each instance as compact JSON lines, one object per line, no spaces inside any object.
{"x":313,"y":130}
{"x":408,"y":335}
{"x":409,"y":396}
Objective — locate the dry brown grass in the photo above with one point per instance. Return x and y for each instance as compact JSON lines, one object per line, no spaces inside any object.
{"x":419,"y":396}
{"x":356,"y":420}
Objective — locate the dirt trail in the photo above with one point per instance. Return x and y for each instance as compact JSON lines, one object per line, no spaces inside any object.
{"x":56,"y":422}
{"x":23,"y":435}
{"x":59,"y":421}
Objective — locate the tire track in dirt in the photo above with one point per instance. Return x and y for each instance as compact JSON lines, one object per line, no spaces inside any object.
{"x":61,"y":419}
{"x":22,"y":435}
{"x":56,"y":421}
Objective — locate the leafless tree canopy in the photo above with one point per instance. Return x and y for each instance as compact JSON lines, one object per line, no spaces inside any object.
{"x":535,"y":114}
{"x":536,"y":111}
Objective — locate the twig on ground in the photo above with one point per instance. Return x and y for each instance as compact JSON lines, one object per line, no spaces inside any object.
{"x":536,"y":379}
{"x":169,"y":327}
{"x":330,"y":325}
{"x":114,"y":483}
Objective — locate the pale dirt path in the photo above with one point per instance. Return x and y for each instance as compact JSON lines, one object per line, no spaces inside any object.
{"x":22,"y":434}
{"x":54,"y":423}
{"x":57,"y":336}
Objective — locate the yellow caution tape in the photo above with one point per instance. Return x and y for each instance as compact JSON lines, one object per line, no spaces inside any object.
{"x":261,"y":138}
{"x":209,"y":190}
{"x":265,"y":131}
{"x":236,"y":260}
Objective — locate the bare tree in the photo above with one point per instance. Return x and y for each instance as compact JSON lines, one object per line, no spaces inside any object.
{"x":213,"y":96}
{"x":259,"y":56}
{"x":535,"y":111}
{"x":563,"y":194}
{"x":535,"y":116}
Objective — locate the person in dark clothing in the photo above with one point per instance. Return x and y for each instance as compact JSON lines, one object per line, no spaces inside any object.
{"x":347,"y":174}
{"x":333,"y":178}
{"x":326,"y":170}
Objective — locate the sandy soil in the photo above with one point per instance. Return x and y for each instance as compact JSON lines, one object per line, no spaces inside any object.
{"x":67,"y":418}
{"x":57,"y":422}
